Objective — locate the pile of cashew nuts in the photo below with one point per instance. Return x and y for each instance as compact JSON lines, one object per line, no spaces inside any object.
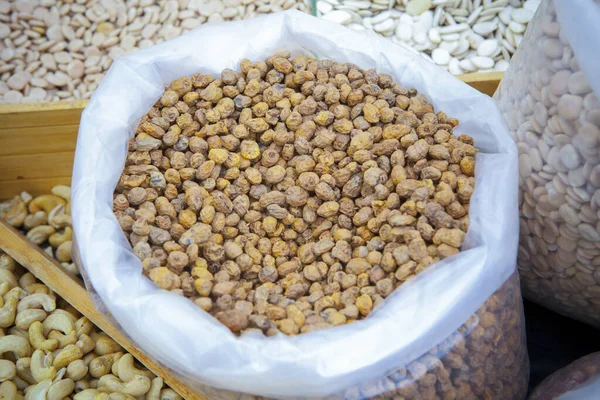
{"x":48,"y":351}
{"x":46,"y":221}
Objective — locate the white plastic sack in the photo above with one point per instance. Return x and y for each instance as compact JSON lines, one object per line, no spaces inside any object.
{"x":170,"y":328}
{"x":549,"y":97}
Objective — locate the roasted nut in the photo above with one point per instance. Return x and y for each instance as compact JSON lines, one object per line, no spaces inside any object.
{"x":315,"y":190}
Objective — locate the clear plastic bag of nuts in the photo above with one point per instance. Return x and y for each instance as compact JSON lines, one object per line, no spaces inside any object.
{"x":454,"y":330}
{"x":549,"y":98}
{"x":579,"y":380}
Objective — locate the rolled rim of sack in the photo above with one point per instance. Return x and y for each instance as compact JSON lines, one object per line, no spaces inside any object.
{"x":415,"y":317}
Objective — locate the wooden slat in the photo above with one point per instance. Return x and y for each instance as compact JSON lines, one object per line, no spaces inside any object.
{"x":41,"y":114}
{"x":486,"y":82}
{"x":30,"y":166}
{"x":38,"y":139}
{"x":34,"y":187}
{"x":50,"y":272}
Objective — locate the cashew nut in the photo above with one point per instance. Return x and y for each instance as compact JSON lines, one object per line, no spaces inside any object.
{"x":38,"y":340}
{"x":37,"y":300}
{"x":120,"y":396}
{"x":7,"y":276}
{"x":155,"y":387}
{"x":35,"y":219}
{"x":86,"y":394}
{"x":45,"y":202}
{"x":17,"y":345}
{"x":88,"y":358}
{"x":81,"y":385}
{"x":61,"y":220}
{"x":60,"y":389}
{"x":37,"y":288}
{"x":136,"y":387}
{"x":60,"y":374}
{"x":102,"y":365}
{"x":59,"y":320}
{"x":39,"y":391}
{"x":67,"y":309}
{"x":169,"y":394}
{"x":27,"y":279}
{"x":63,"y":340}
{"x":17,"y":212}
{"x":70,"y":267}
{"x":4,"y":288}
{"x":62,"y":191}
{"x":55,"y":212}
{"x":67,"y":355}
{"x":64,"y":251}
{"x":19,"y":332}
{"x":40,"y":234}
{"x":27,"y":317}
{"x":24,"y":371}
{"x":26,"y":197}
{"x":85,"y":343}
{"x":83,"y":326}
{"x":8,"y":370}
{"x":8,"y":390}
{"x":8,"y":312}
{"x":41,"y":366}
{"x":105,"y":345}
{"x":7,"y":262}
{"x":126,"y":369}
{"x":58,"y":238}
{"x":77,"y":370}
{"x":49,"y":250}
{"x":21,"y":384}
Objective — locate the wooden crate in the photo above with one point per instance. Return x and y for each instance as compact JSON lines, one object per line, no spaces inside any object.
{"x":37,"y":146}
{"x":49,"y":271}
{"x":37,"y":141}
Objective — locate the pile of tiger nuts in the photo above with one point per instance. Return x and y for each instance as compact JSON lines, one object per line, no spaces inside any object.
{"x":49,"y":351}
{"x":294,"y":195}
{"x":486,"y":358}
{"x":46,"y":221}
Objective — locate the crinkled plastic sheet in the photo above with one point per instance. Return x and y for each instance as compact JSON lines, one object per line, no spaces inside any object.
{"x":417,"y":316}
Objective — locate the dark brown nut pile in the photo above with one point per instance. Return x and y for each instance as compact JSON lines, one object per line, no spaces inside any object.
{"x":294,"y":195}
{"x":486,"y":358}
{"x":572,"y":377}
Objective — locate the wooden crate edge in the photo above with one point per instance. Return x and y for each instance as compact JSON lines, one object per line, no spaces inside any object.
{"x":44,"y":268}
{"x":41,"y":107}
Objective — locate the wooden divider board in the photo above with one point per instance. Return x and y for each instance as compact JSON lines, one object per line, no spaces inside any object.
{"x":49,"y":271}
{"x":37,"y":141}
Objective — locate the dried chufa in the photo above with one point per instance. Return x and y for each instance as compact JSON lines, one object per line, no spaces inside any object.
{"x":554,"y":116}
{"x":294,"y":195}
